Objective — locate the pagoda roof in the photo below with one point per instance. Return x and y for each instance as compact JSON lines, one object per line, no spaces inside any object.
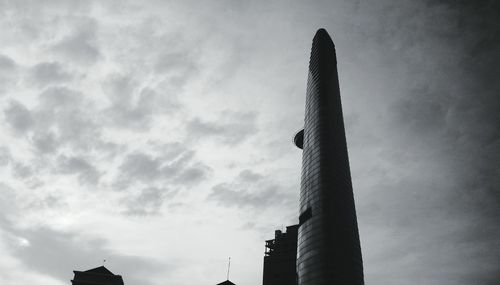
{"x":227,"y":282}
{"x":99,"y":270}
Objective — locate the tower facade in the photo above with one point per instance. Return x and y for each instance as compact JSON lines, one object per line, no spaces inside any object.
{"x":328,"y":248}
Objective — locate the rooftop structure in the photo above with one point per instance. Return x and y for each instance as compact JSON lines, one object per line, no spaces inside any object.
{"x":97,"y":276}
{"x":280,"y":258}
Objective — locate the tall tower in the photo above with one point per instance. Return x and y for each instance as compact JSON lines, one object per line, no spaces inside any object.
{"x":328,"y":249}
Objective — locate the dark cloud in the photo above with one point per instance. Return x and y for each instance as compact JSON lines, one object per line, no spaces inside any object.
{"x":8,"y":203}
{"x":5,"y":156}
{"x":133,"y":106}
{"x":248,"y":175}
{"x":18,"y":117}
{"x":175,"y":166}
{"x":230,"y":195}
{"x":193,"y":174}
{"x":49,"y":72}
{"x":80,"y":45}
{"x":87,"y":173}
{"x":180,"y":67}
{"x":66,"y":117}
{"x":422,"y":116}
{"x":6,"y":63}
{"x":60,"y":99}
{"x":21,"y":170}
{"x":147,"y":202}
{"x":45,"y":142}
{"x":180,"y":168}
{"x":119,"y":89}
{"x":142,"y":166}
{"x":252,"y":191}
{"x":231,"y":128}
{"x":8,"y":70}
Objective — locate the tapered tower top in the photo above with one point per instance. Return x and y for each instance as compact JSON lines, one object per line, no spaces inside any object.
{"x":322,"y":34}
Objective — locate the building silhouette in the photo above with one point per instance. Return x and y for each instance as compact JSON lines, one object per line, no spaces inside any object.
{"x":280,"y":258}
{"x":227,"y":282}
{"x":97,"y":276}
{"x":328,"y":249}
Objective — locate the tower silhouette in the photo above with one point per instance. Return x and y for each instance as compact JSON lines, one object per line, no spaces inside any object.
{"x":328,"y":248}
{"x":96,"y":276}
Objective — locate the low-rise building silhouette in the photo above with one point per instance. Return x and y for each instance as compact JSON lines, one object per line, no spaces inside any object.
{"x":280,"y":258}
{"x":227,"y":282}
{"x":96,"y":276}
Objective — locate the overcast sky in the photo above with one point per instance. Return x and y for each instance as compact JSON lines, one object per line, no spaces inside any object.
{"x":158,"y":135}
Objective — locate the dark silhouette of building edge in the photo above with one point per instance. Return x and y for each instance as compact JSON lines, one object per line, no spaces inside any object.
{"x":280,"y":258}
{"x":328,"y":247}
{"x":96,"y":276}
{"x":227,"y":282}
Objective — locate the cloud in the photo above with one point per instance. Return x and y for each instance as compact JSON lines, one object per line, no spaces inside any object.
{"x":66,"y":117}
{"x":8,"y":73}
{"x":193,"y":175}
{"x":147,"y":202}
{"x":226,"y":196}
{"x":250,"y":190}
{"x":45,"y":142}
{"x":5,"y":156}
{"x":177,"y":166}
{"x":18,"y":117}
{"x":142,"y":166}
{"x":231,"y":128}
{"x":48,"y":251}
{"x":80,"y":45}
{"x":87,"y":173}
{"x":46,"y":73}
{"x":133,"y":106}
{"x":180,"y":67}
{"x":21,"y":170}
{"x":60,"y":99}
{"x":248,"y":175}
{"x":6,"y":63}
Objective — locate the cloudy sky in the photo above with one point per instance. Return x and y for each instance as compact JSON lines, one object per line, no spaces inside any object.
{"x":157,"y":136}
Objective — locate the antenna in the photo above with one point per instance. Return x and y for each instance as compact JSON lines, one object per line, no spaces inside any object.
{"x":103,"y":261}
{"x":228,"y":267}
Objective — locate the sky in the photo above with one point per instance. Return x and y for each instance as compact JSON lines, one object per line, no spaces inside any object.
{"x":157,"y":135}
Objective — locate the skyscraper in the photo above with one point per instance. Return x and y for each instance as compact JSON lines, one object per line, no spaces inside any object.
{"x":328,"y":249}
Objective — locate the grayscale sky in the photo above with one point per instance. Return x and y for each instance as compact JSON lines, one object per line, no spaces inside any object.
{"x":157,"y":135}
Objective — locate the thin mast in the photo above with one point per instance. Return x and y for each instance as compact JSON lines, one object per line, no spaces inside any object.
{"x":228,"y":267}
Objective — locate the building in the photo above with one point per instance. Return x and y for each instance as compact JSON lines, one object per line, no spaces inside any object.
{"x":97,"y":276}
{"x":328,"y":249}
{"x":280,"y":258}
{"x":227,"y":282}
